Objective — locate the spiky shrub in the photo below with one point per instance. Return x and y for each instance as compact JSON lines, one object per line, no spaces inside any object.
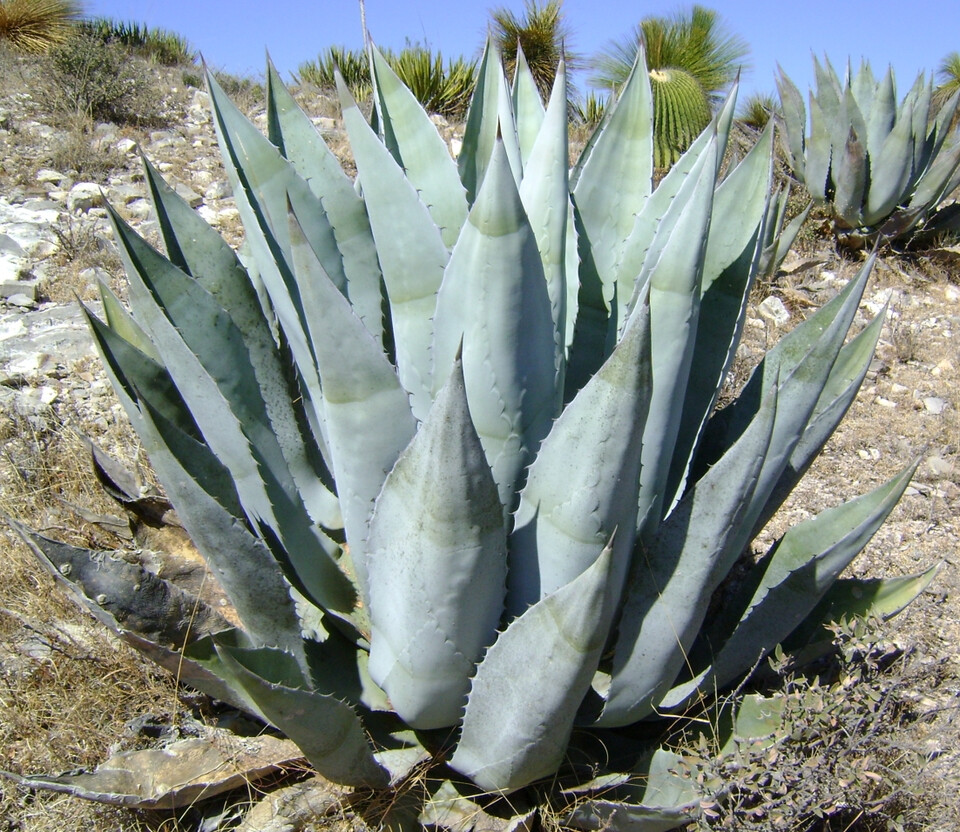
{"x":540,"y":36}
{"x":758,"y":109}
{"x":159,"y":45}
{"x":350,"y":63}
{"x":881,"y":168}
{"x":590,"y":110}
{"x":447,"y":440}
{"x":438,"y":87}
{"x":443,"y":88}
{"x":35,"y":26}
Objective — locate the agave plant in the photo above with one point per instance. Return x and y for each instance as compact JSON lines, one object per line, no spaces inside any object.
{"x":882,"y":168}
{"x":447,"y":438}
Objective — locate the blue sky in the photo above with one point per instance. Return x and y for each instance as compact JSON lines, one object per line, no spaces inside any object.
{"x":913,"y":36}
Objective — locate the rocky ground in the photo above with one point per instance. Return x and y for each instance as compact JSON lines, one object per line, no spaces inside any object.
{"x":54,"y":247}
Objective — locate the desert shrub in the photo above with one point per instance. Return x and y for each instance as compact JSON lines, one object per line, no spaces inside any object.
{"x":841,"y":763}
{"x":100,"y":80}
{"x":35,"y":26}
{"x":153,"y":43}
{"x":247,"y":92}
{"x":79,"y":151}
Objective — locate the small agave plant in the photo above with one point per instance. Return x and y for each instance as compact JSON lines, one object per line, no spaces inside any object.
{"x":881,"y":168}
{"x":448,"y":438}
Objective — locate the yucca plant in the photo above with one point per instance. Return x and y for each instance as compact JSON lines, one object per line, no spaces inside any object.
{"x":442,"y":88}
{"x":352,"y":65}
{"x":439,"y":88}
{"x":447,"y":438}
{"x":590,"y":110}
{"x":36,"y":26}
{"x":156,"y":44}
{"x":948,"y":77}
{"x":541,"y":36}
{"x":881,"y":167}
{"x":758,"y":109}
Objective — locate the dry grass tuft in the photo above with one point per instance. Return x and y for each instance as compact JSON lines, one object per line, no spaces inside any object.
{"x":68,"y":688}
{"x":35,"y":26}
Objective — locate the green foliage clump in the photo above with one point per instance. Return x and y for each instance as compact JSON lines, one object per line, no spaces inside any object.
{"x":591,"y":109}
{"x":543,"y":36}
{"x":99,"y":80}
{"x":350,"y":63}
{"x":757,"y":110}
{"x":153,"y":43}
{"x":694,"y":42}
{"x":443,"y":88}
{"x":36,"y":26}
{"x":840,"y":759}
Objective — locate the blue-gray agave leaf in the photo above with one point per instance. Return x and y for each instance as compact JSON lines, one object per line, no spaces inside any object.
{"x":674,"y":271}
{"x":367,"y":412}
{"x":586,"y":478}
{"x":437,"y":560}
{"x":676,"y":572}
{"x":494,"y":301}
{"x":517,"y":724}
{"x":327,"y":730}
{"x":411,"y":249}
{"x":419,"y":149}
{"x":791,"y":581}
{"x":291,"y":130}
{"x":195,"y":248}
{"x":545,"y":192}
{"x":527,"y":107}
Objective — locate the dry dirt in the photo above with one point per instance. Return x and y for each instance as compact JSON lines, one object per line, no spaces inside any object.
{"x":68,"y":692}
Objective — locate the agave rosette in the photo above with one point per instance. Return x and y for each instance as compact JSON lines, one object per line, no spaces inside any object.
{"x":881,"y":166}
{"x":447,"y":436}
